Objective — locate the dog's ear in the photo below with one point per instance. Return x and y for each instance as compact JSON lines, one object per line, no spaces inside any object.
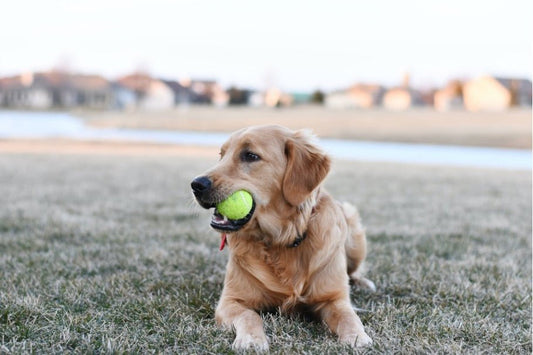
{"x":307,"y":166}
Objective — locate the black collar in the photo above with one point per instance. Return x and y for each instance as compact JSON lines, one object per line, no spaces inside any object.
{"x":298,"y":240}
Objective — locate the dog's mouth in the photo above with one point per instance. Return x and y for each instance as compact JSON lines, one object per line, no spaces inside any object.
{"x":223,"y":223}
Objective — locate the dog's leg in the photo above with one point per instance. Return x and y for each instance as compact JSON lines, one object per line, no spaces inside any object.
{"x":247,"y":323}
{"x":342,"y":320}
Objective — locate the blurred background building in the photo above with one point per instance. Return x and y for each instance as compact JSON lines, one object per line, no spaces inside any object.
{"x":63,"y":90}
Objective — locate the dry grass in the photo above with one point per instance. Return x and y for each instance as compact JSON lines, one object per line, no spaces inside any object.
{"x":108,"y":254}
{"x":510,"y":129}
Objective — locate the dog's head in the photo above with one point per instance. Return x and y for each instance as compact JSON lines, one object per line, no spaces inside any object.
{"x":279,"y":167}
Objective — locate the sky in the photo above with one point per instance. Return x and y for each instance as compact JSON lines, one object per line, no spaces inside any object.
{"x":294,"y":45}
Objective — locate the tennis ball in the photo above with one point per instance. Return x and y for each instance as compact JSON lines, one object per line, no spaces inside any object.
{"x":237,"y":205}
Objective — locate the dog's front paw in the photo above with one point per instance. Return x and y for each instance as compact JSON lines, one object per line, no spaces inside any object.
{"x":357,"y":340}
{"x":250,"y":341}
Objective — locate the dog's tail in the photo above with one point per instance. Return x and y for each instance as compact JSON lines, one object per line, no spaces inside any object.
{"x":355,"y":246}
{"x":352,"y":216}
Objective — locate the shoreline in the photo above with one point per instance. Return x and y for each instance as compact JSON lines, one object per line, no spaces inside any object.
{"x":509,"y":129}
{"x":72,"y":147}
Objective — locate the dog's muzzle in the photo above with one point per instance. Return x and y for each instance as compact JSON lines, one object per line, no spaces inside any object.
{"x":202,"y":188}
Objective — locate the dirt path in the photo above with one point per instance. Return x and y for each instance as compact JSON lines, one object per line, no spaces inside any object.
{"x":65,"y":146}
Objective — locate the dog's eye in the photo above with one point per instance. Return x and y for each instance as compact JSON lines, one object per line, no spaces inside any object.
{"x":249,"y":157}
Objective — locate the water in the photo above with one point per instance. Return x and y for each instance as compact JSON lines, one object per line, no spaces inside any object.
{"x":430,"y":154}
{"x":15,"y":124}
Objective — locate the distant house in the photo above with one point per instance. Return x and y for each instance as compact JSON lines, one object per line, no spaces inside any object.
{"x":340,"y":99}
{"x":450,"y":97}
{"x":90,"y":91}
{"x":29,"y":91}
{"x":402,"y":98}
{"x":210,"y":91}
{"x":158,"y":96}
{"x":274,"y":97}
{"x":521,"y":91}
{"x":151,"y":94}
{"x":124,"y":98}
{"x":256,"y":99}
{"x":367,"y":95}
{"x":301,"y":98}
{"x":219,"y":96}
{"x":56,"y":89}
{"x":183,"y":95}
{"x":489,"y":93}
{"x":200,"y":92}
{"x":357,"y":96}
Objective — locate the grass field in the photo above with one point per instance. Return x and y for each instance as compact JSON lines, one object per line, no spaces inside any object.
{"x":109,"y":254}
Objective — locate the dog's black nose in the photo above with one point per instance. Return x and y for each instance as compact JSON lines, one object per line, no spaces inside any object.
{"x":201,"y":184}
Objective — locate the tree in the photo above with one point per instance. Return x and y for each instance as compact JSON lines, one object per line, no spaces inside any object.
{"x":317,"y":97}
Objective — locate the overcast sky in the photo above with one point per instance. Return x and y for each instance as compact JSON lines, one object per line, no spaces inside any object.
{"x":296,"y":45}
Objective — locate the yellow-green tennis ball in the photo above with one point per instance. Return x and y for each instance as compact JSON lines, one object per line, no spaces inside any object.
{"x":237,"y":205}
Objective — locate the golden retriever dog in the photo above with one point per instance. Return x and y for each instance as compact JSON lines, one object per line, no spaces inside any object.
{"x":296,"y":249}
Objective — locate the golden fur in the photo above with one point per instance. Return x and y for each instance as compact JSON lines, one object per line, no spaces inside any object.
{"x":264,"y":270}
